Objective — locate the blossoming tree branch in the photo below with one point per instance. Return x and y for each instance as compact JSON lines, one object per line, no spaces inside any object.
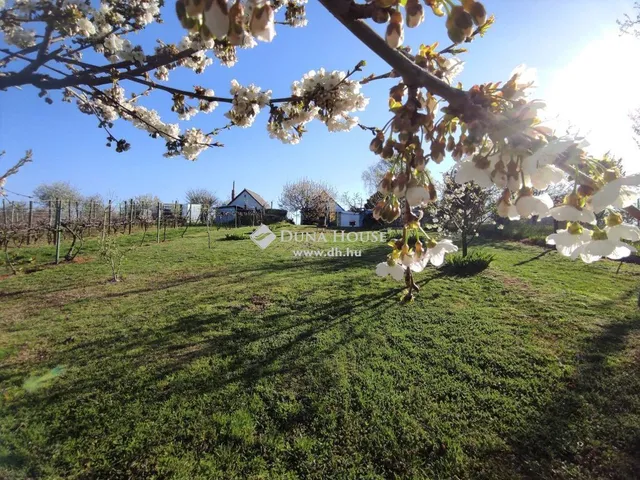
{"x":493,"y":131}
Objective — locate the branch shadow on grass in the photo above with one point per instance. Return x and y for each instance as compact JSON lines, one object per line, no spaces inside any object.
{"x":247,"y":346}
{"x":534,"y":258}
{"x":592,"y":411}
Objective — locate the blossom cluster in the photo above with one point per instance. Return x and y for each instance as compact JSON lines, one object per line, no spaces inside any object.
{"x":415,"y":259}
{"x":247,"y":103}
{"x":112,"y":104}
{"x":523,"y":158}
{"x":286,"y":123}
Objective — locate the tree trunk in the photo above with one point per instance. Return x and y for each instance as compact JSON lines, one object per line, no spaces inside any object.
{"x":465,"y":244}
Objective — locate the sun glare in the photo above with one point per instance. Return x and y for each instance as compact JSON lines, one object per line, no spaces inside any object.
{"x":596,"y":92}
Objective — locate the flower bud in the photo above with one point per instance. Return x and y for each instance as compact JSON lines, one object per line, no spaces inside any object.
{"x":433,"y":194}
{"x":395,"y":212}
{"x":387,"y":151}
{"x":386,"y":184}
{"x":467,"y":4}
{"x":456,"y":35}
{"x":181,"y":13}
{"x":611,"y":175}
{"x":415,"y":13}
{"x":614,"y":220}
{"x":399,"y":184}
{"x":451,"y":144}
{"x":419,"y":162}
{"x":417,"y":195}
{"x":437,"y":150}
{"x":262,"y":21}
{"x":574,"y":228}
{"x":377,"y":211}
{"x":585,"y":190}
{"x":574,"y":200}
{"x":462,"y":20}
{"x":236,"y":24}
{"x":380,"y":15}
{"x":376,"y":144}
{"x":216,"y":19}
{"x":479,"y":14}
{"x":194,"y":7}
{"x":397,"y":92}
{"x":395,"y":31}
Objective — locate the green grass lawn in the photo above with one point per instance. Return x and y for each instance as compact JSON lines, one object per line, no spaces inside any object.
{"x":239,"y":363}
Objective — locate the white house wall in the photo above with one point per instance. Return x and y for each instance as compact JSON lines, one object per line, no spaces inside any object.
{"x":244,"y":200}
{"x":345,"y":219}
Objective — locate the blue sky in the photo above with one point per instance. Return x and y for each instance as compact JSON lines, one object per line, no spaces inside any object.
{"x":573,"y":44}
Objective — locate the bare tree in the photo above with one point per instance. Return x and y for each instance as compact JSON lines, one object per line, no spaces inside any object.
{"x":354,"y":202}
{"x":314,"y":200}
{"x":202,"y":196}
{"x":205,"y":198}
{"x":371,"y":176}
{"x":629,"y":25}
{"x":635,"y":119}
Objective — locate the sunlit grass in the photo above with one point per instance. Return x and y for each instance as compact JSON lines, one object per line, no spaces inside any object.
{"x":233,"y":362}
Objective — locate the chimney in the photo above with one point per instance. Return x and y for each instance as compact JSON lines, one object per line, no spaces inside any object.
{"x":233,"y":190}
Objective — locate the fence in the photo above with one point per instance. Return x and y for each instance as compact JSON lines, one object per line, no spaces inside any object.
{"x":58,"y":221}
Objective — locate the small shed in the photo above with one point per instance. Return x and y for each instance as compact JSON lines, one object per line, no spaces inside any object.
{"x":191,"y":212}
{"x":350,"y":219}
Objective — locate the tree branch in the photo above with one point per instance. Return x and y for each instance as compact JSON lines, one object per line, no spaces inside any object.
{"x":347,"y":13}
{"x":87,"y":78}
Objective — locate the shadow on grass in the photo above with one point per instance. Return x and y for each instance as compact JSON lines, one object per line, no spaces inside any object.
{"x":533,"y":259}
{"x":247,"y":346}
{"x":595,"y":408}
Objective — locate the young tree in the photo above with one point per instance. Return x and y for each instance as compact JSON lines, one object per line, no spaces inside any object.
{"x":462,"y":209}
{"x":64,"y":191}
{"x":313,"y":200}
{"x":493,"y":126}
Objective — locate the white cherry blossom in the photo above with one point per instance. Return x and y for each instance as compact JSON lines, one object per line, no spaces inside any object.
{"x":569,"y":213}
{"x":620,"y":193}
{"x":527,"y":204}
{"x":595,"y":249}
{"x":568,"y":240}
{"x":396,"y":271}
{"x":624,"y":231}
{"x":436,"y":251}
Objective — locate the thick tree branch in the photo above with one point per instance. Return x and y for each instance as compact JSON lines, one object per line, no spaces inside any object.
{"x":348,"y":13}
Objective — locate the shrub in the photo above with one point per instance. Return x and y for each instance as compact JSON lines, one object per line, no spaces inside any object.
{"x":233,"y":236}
{"x":475,"y":262}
